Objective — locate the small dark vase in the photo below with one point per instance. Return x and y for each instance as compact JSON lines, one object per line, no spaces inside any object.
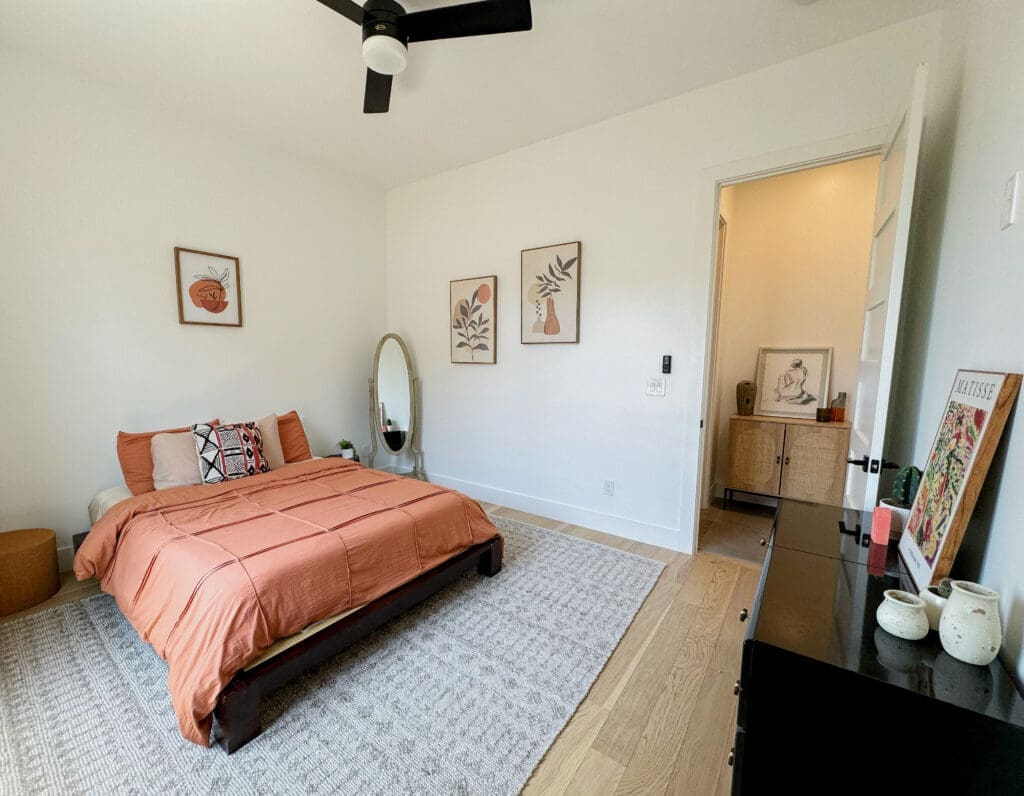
{"x":746,"y":391}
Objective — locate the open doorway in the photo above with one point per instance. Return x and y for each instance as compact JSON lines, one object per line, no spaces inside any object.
{"x":793,"y":256}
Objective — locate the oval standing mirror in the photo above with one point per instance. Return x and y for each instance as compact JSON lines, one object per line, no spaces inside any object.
{"x":393,"y":405}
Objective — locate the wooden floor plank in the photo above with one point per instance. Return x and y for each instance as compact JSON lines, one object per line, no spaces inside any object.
{"x":565,"y":756}
{"x":623,"y":662}
{"x":702,"y":763}
{"x":597,"y":774}
{"x":625,"y":724}
{"x":650,"y":768}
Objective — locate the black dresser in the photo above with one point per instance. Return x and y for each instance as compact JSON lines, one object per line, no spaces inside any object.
{"x":831,"y":703}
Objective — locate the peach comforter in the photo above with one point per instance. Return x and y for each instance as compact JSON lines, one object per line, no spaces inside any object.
{"x":211,"y":576}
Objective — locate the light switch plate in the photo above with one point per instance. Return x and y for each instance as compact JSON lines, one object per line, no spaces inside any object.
{"x":656,"y":387}
{"x":1010,"y":201}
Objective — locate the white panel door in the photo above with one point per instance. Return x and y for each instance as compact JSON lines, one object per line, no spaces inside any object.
{"x":891,"y":232}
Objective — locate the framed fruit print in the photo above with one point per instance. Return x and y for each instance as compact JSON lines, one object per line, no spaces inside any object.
{"x":964,"y":445}
{"x":550,"y":300}
{"x":209,"y":288}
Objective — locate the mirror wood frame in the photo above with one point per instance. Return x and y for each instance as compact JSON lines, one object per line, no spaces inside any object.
{"x":377,"y":440}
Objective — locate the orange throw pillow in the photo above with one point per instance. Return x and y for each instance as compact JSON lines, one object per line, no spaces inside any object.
{"x":294,"y":444}
{"x":136,"y":457}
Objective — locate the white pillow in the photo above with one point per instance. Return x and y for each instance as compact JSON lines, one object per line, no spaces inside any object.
{"x":104,"y":501}
{"x":175,"y":461}
{"x":272,"y":450}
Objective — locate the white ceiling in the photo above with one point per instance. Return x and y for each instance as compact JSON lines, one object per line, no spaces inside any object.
{"x":290,"y":70}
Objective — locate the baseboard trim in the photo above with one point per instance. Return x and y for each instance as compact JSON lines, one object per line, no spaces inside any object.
{"x":659,"y":535}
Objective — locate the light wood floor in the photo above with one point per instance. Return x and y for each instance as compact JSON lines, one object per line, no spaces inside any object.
{"x":736,"y":533}
{"x":661,"y":716}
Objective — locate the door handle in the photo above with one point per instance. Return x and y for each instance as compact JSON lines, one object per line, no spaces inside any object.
{"x":857,"y":533}
{"x":887,"y":465}
{"x":861,"y":463}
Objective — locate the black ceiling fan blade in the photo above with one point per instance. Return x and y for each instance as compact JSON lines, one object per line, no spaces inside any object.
{"x":469,"y":19}
{"x":346,"y":8}
{"x":378,"y":92}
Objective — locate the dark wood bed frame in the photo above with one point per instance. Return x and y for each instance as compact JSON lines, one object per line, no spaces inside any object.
{"x":237,"y":715}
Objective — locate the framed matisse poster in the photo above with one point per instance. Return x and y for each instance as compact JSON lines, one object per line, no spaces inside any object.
{"x":209,"y":288}
{"x":792,"y":382}
{"x":964,"y":445}
{"x":550,"y":300}
{"x":474,"y":320}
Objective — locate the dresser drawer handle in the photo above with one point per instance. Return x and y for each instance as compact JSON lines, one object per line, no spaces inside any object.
{"x":743,"y":615}
{"x":736,"y":689}
{"x":764,"y":543}
{"x":732,"y":756}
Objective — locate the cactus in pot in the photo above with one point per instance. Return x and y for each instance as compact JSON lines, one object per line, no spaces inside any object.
{"x":904,"y":488}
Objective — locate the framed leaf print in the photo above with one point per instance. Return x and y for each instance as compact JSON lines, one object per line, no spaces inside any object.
{"x":550,"y":301}
{"x":209,"y":288}
{"x":964,"y":445}
{"x":474,"y":320}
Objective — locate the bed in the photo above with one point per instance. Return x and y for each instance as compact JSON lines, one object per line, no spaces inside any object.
{"x":243,"y":586}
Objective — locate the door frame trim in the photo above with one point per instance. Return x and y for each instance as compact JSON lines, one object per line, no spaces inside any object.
{"x":711,"y":181}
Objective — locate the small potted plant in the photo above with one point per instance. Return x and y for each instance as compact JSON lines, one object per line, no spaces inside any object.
{"x":935,"y":598}
{"x":348,"y":450}
{"x":904,"y":490}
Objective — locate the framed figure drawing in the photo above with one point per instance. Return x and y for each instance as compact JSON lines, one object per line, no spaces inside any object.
{"x":209,"y":288}
{"x":474,"y":320}
{"x":965,"y":442}
{"x":550,"y":300}
{"x":792,"y":382}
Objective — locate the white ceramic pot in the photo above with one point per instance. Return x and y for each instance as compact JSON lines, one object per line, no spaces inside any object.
{"x":902,"y":614}
{"x":900,"y":518}
{"x":970,"y":629}
{"x":348,"y":453}
{"x":933,"y":606}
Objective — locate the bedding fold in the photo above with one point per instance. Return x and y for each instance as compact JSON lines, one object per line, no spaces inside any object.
{"x":213,"y":575}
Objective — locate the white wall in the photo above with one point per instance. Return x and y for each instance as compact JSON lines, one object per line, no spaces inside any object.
{"x":98,"y":189}
{"x":796,"y":267}
{"x":547,"y":425}
{"x":967,"y":283}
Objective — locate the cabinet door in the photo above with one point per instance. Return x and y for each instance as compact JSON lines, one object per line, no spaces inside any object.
{"x":814,"y":467}
{"x":755,"y":456}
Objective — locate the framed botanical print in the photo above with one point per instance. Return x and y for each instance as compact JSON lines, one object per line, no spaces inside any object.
{"x":550,"y":300}
{"x":792,"y":382}
{"x":473,"y":313}
{"x":209,"y":288}
{"x":964,"y":445}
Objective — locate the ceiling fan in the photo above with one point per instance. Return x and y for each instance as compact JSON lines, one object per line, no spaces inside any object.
{"x":388,"y":29}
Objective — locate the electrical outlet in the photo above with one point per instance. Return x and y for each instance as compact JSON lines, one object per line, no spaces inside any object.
{"x":609,"y":488}
{"x":656,"y":387}
{"x":1010,"y":194}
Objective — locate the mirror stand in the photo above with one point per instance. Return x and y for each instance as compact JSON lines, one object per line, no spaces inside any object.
{"x":414,"y":442}
{"x":394,"y":381}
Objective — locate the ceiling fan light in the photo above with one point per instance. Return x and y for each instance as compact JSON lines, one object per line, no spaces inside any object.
{"x":385,"y":55}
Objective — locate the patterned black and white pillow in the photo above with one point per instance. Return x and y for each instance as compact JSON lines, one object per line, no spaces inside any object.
{"x":229,"y":452}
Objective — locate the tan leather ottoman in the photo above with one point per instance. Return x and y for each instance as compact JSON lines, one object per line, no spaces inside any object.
{"x":28,"y":568}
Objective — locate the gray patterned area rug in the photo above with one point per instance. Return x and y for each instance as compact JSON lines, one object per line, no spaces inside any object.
{"x":463,"y":694}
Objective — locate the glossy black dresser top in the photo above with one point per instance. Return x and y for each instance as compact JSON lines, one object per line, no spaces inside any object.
{"x":818,"y":599}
